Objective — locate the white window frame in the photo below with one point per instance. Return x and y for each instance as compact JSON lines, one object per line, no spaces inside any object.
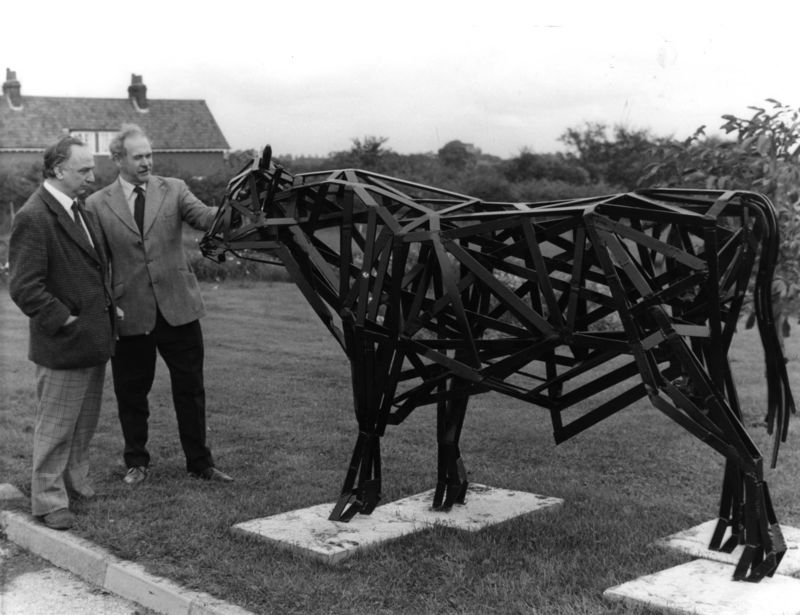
{"x":96,"y":140}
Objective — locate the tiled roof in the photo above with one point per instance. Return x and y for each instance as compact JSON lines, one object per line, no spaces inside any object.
{"x":170,"y":124}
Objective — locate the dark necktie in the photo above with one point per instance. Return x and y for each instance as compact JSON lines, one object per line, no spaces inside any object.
{"x":138,"y":208}
{"x":76,"y":217}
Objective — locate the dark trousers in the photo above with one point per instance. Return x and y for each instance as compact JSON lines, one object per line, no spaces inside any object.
{"x":134,"y":366}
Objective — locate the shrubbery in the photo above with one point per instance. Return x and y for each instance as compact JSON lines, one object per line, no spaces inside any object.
{"x":234,"y":268}
{"x":239,"y":269}
{"x":599,"y":161}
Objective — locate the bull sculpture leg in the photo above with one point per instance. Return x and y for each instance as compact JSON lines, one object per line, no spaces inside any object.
{"x":372,"y":367}
{"x":451,"y":484}
{"x":745,"y":505}
{"x":746,"y":508}
{"x":696,"y":401}
{"x":365,"y":463}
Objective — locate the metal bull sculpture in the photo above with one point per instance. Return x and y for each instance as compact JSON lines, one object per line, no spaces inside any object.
{"x":437,"y":296}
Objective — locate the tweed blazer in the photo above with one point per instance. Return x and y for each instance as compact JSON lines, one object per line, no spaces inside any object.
{"x":150,"y":271}
{"x":53,"y":272}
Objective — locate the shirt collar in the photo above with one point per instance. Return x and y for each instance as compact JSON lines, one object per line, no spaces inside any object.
{"x":127,"y":188}
{"x":59,"y":196}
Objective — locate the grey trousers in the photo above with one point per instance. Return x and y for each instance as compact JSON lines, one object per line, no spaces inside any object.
{"x":67,"y":412}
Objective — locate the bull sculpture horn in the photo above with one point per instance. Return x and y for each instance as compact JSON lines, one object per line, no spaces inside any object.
{"x":266,"y":156}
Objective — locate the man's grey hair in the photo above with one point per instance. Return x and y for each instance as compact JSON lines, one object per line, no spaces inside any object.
{"x":117,"y":145}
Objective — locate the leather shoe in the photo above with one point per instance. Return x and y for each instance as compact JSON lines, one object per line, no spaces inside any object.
{"x":212,"y":474}
{"x":61,"y":519}
{"x":135,"y":475}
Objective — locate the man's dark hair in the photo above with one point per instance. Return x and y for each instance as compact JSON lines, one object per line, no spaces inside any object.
{"x":58,"y":153}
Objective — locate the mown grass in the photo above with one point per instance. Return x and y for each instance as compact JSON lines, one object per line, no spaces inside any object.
{"x":280,"y":420}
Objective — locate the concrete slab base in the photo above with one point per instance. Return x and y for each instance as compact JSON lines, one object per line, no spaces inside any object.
{"x":484,"y":506}
{"x":704,"y":587}
{"x":309,"y":531}
{"x":694,"y":541}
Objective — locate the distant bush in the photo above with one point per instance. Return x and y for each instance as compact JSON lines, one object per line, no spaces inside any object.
{"x":17,"y":183}
{"x":552,"y":190}
{"x":233,"y":268}
{"x":238,"y":269}
{"x":559,"y":167}
{"x":487,"y":183}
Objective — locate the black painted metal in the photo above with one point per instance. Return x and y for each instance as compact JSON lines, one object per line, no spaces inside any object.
{"x":436,"y":296}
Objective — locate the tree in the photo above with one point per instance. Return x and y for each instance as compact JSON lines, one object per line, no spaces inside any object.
{"x":557,"y":167}
{"x":367,"y":154}
{"x":456,"y":155}
{"x":618,"y":161}
{"x":17,"y":183}
{"x":763,"y":156}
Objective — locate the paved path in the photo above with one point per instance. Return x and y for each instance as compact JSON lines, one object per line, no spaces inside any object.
{"x":31,"y":586}
{"x":47,"y":572}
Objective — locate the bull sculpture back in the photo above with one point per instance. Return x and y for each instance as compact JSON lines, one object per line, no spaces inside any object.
{"x":436,"y":296}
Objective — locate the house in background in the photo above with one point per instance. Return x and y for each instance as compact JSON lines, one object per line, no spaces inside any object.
{"x":183,"y":133}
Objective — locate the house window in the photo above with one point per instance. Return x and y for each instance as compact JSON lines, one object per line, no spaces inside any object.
{"x":97,"y":140}
{"x":103,"y":140}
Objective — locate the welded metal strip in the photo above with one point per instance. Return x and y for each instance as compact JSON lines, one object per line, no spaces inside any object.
{"x":514,"y":304}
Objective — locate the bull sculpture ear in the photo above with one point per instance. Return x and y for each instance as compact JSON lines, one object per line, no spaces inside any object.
{"x":266,"y":156}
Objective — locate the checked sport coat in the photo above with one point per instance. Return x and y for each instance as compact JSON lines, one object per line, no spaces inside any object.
{"x":150,"y":270}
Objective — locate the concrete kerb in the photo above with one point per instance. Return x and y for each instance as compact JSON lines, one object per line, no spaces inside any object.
{"x":102,"y":569}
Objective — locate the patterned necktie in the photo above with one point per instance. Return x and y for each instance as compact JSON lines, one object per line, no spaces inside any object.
{"x":138,"y":208}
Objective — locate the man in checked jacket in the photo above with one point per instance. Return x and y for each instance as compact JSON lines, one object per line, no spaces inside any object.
{"x":59,"y":277}
{"x":142,"y":217}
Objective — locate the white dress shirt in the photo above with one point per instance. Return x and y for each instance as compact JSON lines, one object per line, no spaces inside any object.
{"x":66,"y":202}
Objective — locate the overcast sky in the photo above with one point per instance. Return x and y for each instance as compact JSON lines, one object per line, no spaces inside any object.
{"x":309,"y":76}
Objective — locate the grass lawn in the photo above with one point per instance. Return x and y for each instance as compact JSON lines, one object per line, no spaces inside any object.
{"x":280,"y":420}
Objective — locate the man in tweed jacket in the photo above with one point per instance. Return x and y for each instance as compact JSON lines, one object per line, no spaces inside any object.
{"x":142,"y":217}
{"x":59,"y":277}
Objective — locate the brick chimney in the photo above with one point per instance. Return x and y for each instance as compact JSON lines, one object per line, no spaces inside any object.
{"x":137,"y":93}
{"x":12,"y":90}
